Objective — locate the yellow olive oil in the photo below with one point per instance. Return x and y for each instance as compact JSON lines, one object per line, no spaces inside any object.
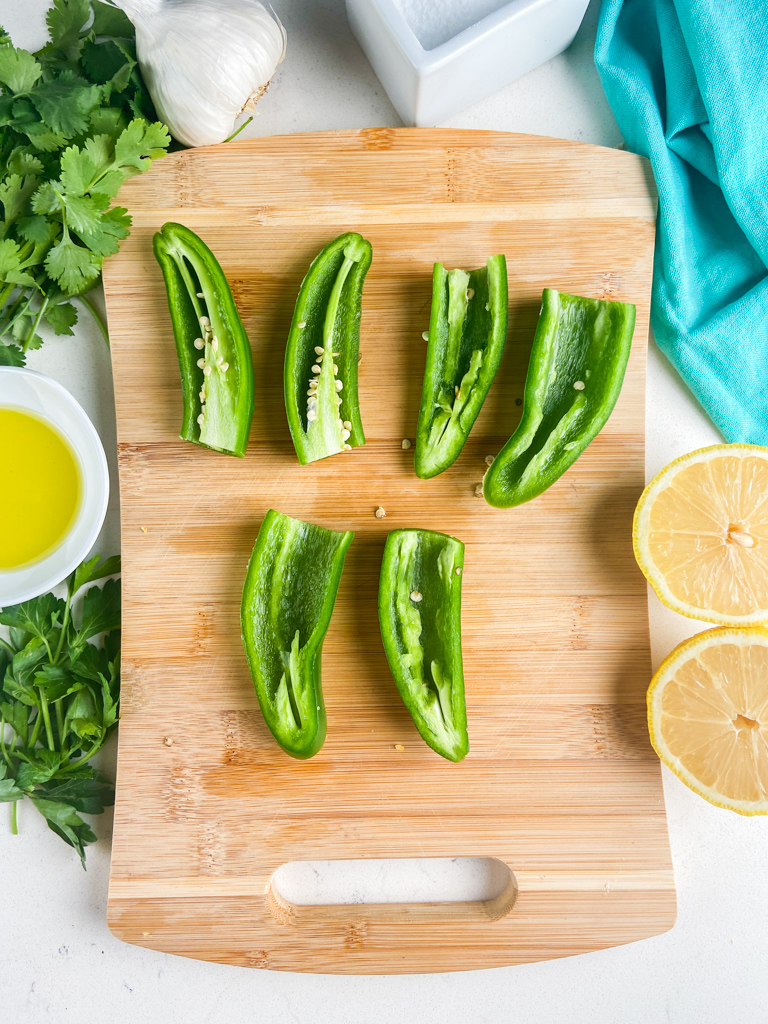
{"x":40,"y":488}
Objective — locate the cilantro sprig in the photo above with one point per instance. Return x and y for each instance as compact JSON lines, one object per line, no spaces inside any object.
{"x":59,"y":693}
{"x":76,"y":120}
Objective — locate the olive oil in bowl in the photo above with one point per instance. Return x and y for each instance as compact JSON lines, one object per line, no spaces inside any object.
{"x":41,"y":488}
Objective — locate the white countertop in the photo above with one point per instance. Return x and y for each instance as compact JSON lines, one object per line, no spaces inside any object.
{"x":58,"y":960}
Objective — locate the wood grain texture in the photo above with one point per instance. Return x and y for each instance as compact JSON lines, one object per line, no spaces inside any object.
{"x":561,"y":783}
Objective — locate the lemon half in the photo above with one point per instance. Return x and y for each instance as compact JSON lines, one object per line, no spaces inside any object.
{"x":708,"y":716}
{"x":701,"y":534}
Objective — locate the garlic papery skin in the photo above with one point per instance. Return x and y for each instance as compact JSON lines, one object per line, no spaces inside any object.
{"x":205,"y":61}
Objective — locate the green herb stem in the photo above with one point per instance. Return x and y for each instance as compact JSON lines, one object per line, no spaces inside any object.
{"x":46,"y":719}
{"x":14,"y":826}
{"x":36,"y":324}
{"x":65,"y":620}
{"x":237,"y":131}
{"x":96,"y":316}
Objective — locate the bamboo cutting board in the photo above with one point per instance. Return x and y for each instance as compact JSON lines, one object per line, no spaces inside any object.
{"x":561,"y":783}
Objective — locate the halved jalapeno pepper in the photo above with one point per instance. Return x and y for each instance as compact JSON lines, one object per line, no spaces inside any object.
{"x":288,"y":597}
{"x":580,"y":352}
{"x":211,"y":344}
{"x":322,"y":352}
{"x":467,"y":333}
{"x":420,"y":619}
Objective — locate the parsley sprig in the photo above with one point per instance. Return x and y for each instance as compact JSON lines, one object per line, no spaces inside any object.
{"x":59,"y":693}
{"x":76,"y":120}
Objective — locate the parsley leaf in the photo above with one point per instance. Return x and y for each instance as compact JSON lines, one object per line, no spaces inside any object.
{"x":59,"y":699}
{"x":11,"y":355}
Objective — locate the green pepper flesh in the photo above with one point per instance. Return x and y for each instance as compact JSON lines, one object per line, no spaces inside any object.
{"x":288,"y":597}
{"x":420,"y":620}
{"x":467,"y":334}
{"x":580,"y":352}
{"x":322,"y":407}
{"x":217,"y":395}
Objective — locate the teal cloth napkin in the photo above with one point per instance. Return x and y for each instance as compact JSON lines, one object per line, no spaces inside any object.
{"x":688,"y":83}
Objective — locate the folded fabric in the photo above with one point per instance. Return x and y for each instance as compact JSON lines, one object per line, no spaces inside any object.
{"x":687,"y":82}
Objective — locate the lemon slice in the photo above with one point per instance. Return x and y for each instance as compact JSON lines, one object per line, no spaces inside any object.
{"x":708,"y":716}
{"x":701,"y":534}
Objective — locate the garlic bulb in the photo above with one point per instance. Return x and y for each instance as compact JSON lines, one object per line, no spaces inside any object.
{"x":205,"y":61}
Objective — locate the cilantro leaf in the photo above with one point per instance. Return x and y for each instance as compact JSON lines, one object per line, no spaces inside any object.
{"x":101,"y":611}
{"x":15,"y":193}
{"x":95,"y":569}
{"x":22,"y":162}
{"x":139,"y":144}
{"x":66,"y":103}
{"x":67,"y":823}
{"x":72,"y":266}
{"x":112,"y":226}
{"x":111,"y":21}
{"x":18,"y":69}
{"x":37,"y":229}
{"x":62,"y":317}
{"x":109,"y":62}
{"x":65,"y":20}
{"x":84,"y":212}
{"x":11,"y":355}
{"x":11,"y":264}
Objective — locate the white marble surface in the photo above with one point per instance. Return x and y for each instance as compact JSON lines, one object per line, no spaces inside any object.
{"x":58,"y":961}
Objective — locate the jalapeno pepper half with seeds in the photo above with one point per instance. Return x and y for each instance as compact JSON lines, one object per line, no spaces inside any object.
{"x":580,"y":352}
{"x":467,"y":332}
{"x":212,"y":347}
{"x":289,"y":593}
{"x":420,"y":619}
{"x":322,"y":352}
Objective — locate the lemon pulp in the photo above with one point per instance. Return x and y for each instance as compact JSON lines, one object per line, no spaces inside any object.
{"x":41,"y":488}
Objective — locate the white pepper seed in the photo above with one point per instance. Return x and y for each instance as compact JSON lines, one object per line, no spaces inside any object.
{"x":339,"y":385}
{"x":207,"y":371}
{"x":311,"y":415}
{"x":338,"y":399}
{"x":202,"y":396}
{"x":344,"y":435}
{"x":458,"y":570}
{"x":347,"y":448}
{"x":302,"y":325}
{"x":416,"y":596}
{"x":425,"y":335}
{"x":215,"y":343}
{"x":205,"y":322}
{"x":478,"y":490}
{"x":224,"y":367}
{"x":578,"y":385}
{"x":406,"y":443}
{"x":347,"y":425}
{"x":199,"y":344}
{"x":335,"y":369}
{"x":489,"y":460}
{"x":200,"y":419}
{"x":380,"y":513}
{"x":201,"y":363}
{"x":470,"y":293}
{"x":319,"y":349}
{"x":168,"y":741}
{"x":200,"y":295}
{"x":315,"y":368}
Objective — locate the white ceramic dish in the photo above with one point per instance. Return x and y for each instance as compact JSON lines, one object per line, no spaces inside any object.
{"x":32,"y":392}
{"x":427,"y":87}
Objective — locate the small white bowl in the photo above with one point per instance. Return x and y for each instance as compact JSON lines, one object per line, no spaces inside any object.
{"x":32,"y":392}
{"x":426,"y":87}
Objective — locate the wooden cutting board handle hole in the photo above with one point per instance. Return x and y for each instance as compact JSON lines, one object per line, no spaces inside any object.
{"x":318,"y":883}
